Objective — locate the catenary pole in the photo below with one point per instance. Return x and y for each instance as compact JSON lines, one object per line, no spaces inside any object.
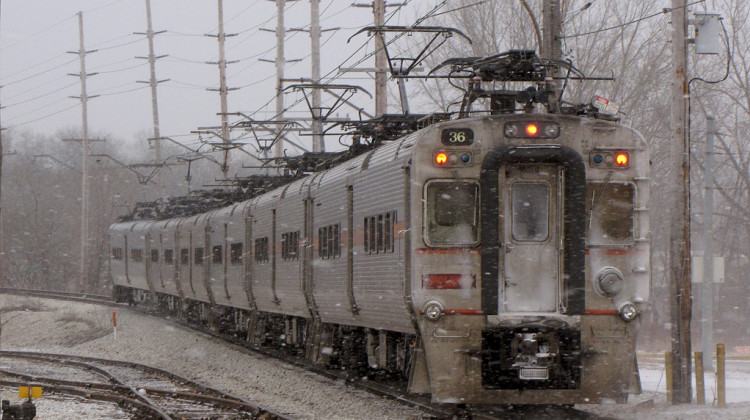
{"x":679,"y":237}
{"x":381,"y":77}
{"x":317,"y":124}
{"x":278,"y":150}
{"x":85,"y":158}
{"x":154,"y":100}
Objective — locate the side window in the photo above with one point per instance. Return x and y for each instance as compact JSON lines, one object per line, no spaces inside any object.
{"x":378,"y":233}
{"x":198,"y":256}
{"x":329,"y":242}
{"x":261,"y":250}
{"x":235,"y":253}
{"x":609,"y":213}
{"x":452,"y":213}
{"x":289,"y":246}
{"x":136,"y":255}
{"x":168,"y":256}
{"x":217,"y":253}
{"x":117,"y":253}
{"x":154,"y":255}
{"x":184,"y":256}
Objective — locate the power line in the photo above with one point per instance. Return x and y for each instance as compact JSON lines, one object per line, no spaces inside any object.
{"x":662,"y":12}
{"x":46,"y":116}
{"x":39,"y":74}
{"x":40,"y":96}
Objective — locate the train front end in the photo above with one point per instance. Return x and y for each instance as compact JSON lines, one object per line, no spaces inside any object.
{"x":532,"y":263}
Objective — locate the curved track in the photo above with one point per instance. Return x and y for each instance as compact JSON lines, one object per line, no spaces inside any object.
{"x":395,"y":390}
{"x":143,"y":390}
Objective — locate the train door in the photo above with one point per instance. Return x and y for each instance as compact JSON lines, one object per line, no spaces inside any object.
{"x":531,"y":239}
{"x":533,"y":223}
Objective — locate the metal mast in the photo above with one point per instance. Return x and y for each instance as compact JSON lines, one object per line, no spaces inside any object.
{"x":278,"y":148}
{"x":317,"y":124}
{"x":381,"y":67}
{"x":85,"y":152}
{"x":154,"y":102}
{"x":223,"y":90}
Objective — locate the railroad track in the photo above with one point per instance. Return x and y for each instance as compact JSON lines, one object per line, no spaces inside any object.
{"x":395,"y":390}
{"x":145,"y":391}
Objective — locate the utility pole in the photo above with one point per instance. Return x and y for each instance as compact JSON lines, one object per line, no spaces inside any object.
{"x":707,"y":320}
{"x":85,"y":152}
{"x":381,"y":77}
{"x":317,"y":123}
{"x":552,"y":48}
{"x":278,"y":148}
{"x":223,"y":90}
{"x":381,"y":59}
{"x":679,"y":237}
{"x":153,"y":82}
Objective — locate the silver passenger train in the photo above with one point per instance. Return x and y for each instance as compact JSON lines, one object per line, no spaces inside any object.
{"x":493,"y":259}
{"x":497,"y":259}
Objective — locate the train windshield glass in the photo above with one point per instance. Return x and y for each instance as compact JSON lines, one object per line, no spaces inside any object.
{"x":530,"y":202}
{"x":609,"y":213}
{"x":452,"y":213}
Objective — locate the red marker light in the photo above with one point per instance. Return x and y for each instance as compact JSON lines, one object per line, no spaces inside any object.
{"x":621,"y":159}
{"x":532,"y":129}
{"x":441,"y":158}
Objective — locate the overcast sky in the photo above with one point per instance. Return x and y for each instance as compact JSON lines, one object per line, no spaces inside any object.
{"x":36,"y":35}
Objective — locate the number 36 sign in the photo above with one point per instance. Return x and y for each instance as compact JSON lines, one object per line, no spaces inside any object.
{"x":457,"y":136}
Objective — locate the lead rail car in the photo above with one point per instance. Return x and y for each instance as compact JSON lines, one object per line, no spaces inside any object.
{"x":499,"y":259}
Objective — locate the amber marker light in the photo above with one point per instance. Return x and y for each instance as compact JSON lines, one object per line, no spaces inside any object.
{"x":621,"y":159}
{"x":441,"y":158}
{"x":532,"y":129}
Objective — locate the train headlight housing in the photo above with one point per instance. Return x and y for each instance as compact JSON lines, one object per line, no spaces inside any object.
{"x":609,"y":282}
{"x":433,"y":310}
{"x":532,"y":129}
{"x":628,"y":311}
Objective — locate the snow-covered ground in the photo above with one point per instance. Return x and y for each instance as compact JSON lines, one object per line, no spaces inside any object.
{"x":73,"y":328}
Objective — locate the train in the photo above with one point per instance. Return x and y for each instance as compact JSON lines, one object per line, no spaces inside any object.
{"x":492,"y":258}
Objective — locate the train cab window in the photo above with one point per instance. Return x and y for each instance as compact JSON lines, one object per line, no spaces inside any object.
{"x":609,"y":213}
{"x":198,"y":256}
{"x":168,"y":256}
{"x":530,"y":207}
{"x":235,"y":253}
{"x":117,"y":253}
{"x":154,"y":255}
{"x":452,"y":213}
{"x":217,"y":253}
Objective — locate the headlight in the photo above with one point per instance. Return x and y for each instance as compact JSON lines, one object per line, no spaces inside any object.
{"x":609,"y":282}
{"x":433,"y":310}
{"x":628,"y":311}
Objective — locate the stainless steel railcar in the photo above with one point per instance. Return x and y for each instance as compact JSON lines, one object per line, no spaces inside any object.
{"x":499,"y":259}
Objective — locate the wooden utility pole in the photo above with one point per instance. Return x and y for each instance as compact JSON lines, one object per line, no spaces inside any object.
{"x":552,"y":47}
{"x":317,"y":123}
{"x":85,"y":157}
{"x":153,"y":82}
{"x":679,"y":236}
